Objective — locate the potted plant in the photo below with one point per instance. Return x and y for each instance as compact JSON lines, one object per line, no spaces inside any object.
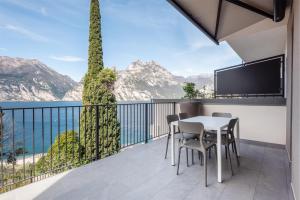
{"x":190,"y":107}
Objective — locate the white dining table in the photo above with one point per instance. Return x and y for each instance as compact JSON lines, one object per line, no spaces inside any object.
{"x":210,"y":123}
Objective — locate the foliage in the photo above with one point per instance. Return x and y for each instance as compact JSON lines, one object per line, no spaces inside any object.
{"x":95,"y":62}
{"x":65,"y":151}
{"x":20,"y":151}
{"x":11,"y":158}
{"x":15,"y":175}
{"x":98,"y":90}
{"x":190,"y":91}
{"x":69,"y":148}
{"x":206,"y":93}
{"x":109,"y":128}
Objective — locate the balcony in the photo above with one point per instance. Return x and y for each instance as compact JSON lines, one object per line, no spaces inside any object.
{"x":269,"y":127}
{"x":141,"y":172}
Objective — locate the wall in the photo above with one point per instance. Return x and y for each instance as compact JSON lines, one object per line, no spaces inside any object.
{"x":296,"y":102}
{"x":261,"y":119}
{"x":288,"y":75}
{"x":258,"y":123}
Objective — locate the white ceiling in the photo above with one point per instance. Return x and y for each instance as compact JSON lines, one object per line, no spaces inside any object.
{"x":261,"y":44}
{"x":234,"y":18}
{"x":251,"y":35}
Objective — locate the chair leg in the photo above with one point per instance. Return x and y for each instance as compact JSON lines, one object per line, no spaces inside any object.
{"x":187,"y":157}
{"x":209,"y":154}
{"x":205,"y":169}
{"x":232,"y":148}
{"x":226,"y":152}
{"x":193,"y":157}
{"x":168,"y":138}
{"x":237,"y":157}
{"x":201,"y":158}
{"x":179,"y":152}
{"x":216,"y":153}
{"x":229,"y":159}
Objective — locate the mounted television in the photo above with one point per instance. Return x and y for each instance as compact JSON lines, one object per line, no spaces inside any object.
{"x":258,"y":78}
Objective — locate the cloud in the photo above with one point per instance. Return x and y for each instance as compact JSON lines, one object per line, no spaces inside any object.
{"x":194,"y":47}
{"x":71,"y":9}
{"x":67,"y":58}
{"x":193,"y":41}
{"x":43,"y":11}
{"x":32,"y":6}
{"x":140,"y":13}
{"x":204,"y":60}
{"x":200,"y":43}
{"x":27,"y":33}
{"x":3,"y":49}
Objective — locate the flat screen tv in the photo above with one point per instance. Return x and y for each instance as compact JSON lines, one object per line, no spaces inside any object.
{"x":258,"y":78}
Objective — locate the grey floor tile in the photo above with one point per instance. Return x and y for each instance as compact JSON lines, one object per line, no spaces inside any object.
{"x":141,"y":172}
{"x":212,"y":192}
{"x":265,"y":193}
{"x":241,"y":185}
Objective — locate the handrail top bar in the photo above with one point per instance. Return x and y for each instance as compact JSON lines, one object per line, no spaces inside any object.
{"x":251,"y":62}
{"x":81,"y":106}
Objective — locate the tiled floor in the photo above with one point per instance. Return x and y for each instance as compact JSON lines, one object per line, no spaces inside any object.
{"x":141,"y":173}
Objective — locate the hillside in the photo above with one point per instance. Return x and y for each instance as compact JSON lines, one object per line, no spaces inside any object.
{"x":146,"y":80}
{"x":30,"y":80}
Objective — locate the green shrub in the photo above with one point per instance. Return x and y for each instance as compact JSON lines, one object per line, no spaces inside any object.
{"x":66,"y":151}
{"x":190,"y":91}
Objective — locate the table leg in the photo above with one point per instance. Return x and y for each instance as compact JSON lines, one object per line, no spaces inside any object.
{"x":172,"y":146}
{"x":219,"y":149}
{"x":238,"y":137}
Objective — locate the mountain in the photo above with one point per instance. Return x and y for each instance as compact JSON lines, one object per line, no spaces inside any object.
{"x":75,"y":93}
{"x":30,"y":80}
{"x":200,"y":80}
{"x":146,"y":80}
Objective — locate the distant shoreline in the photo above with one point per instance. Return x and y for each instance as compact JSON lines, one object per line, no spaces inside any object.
{"x":29,"y":158}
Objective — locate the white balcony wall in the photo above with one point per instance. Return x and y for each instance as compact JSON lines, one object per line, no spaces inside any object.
{"x":257,"y":123}
{"x":296,"y":101}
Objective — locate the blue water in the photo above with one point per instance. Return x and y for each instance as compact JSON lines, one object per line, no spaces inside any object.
{"x":34,"y":133}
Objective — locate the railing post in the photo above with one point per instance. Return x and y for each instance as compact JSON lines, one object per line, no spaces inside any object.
{"x":146,"y":123}
{"x":1,"y":146}
{"x":31,"y":176}
{"x":174,"y":108}
{"x":97,"y":132}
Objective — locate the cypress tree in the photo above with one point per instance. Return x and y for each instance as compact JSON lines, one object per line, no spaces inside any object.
{"x":95,"y":62}
{"x":98,"y":90}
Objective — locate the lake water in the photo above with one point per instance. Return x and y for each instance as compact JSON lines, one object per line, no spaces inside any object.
{"x":34,"y":132}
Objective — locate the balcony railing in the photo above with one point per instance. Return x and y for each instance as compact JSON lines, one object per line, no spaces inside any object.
{"x":37,"y":142}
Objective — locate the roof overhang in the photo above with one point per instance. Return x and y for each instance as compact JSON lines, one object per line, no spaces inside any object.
{"x":247,"y":25}
{"x":220,"y":18}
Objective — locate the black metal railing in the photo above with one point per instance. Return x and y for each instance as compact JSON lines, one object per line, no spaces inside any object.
{"x":37,"y":142}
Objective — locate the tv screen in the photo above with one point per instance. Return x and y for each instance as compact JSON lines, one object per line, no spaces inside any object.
{"x":257,"y":78}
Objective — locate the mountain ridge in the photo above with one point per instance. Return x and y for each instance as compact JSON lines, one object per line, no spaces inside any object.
{"x":31,"y":80}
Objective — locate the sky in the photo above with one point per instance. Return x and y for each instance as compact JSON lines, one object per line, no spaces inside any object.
{"x":56,"y":33}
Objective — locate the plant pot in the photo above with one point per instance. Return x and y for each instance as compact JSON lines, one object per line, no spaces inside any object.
{"x":190,"y":107}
